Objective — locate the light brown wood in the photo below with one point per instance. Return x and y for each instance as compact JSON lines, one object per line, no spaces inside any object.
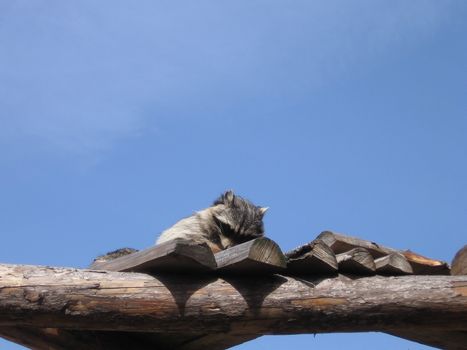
{"x":459,"y":263}
{"x":422,"y":265}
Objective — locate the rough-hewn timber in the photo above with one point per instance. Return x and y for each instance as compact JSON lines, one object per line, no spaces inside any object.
{"x":239,"y":308}
{"x":357,"y":261}
{"x":393,"y":264}
{"x":314,"y":258}
{"x":421,"y":265}
{"x":177,"y":256}
{"x":259,"y":256}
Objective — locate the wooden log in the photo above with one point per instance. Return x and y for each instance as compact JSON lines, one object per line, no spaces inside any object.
{"x":357,"y":261}
{"x":60,"y":339}
{"x":258,"y":256}
{"x":178,"y":255}
{"x":459,"y":263}
{"x":393,"y":264}
{"x":420,"y":265}
{"x":89,"y":300}
{"x":340,"y":243}
{"x":313,"y":258}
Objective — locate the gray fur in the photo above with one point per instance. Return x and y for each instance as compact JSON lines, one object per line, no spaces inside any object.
{"x":229,"y":221}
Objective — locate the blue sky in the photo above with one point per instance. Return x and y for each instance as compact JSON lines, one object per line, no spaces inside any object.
{"x":118,"y":119}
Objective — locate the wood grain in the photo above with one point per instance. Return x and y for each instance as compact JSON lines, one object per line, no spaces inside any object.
{"x":178,"y":255}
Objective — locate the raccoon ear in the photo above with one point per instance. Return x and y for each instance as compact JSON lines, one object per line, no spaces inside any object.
{"x":227,"y":198}
{"x":263,"y":210}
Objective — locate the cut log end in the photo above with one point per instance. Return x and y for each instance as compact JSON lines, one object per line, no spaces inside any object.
{"x":258,"y":256}
{"x":313,"y":258}
{"x":459,"y":264}
{"x":393,"y":264}
{"x":357,"y":261}
{"x":422,"y":265}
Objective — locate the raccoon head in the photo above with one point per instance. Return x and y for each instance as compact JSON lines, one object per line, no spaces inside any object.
{"x":237,"y":219}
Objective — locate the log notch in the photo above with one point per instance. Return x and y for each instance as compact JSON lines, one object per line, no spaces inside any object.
{"x":312,"y":258}
{"x":239,"y":308}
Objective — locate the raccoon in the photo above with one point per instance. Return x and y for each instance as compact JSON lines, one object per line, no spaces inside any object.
{"x":230,"y":220}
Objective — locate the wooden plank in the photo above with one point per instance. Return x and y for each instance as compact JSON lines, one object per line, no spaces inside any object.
{"x":178,"y":255}
{"x":313,"y":258}
{"x":258,"y":256}
{"x":421,"y":265}
{"x":393,"y":264}
{"x":356,"y":261}
{"x":340,"y":243}
{"x":459,"y":264}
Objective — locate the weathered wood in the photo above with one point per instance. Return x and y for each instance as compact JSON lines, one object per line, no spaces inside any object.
{"x":258,"y":256}
{"x":60,"y":339}
{"x":420,"y":265}
{"x":313,"y":258}
{"x":40,"y":297}
{"x":393,"y":264}
{"x":459,"y":263}
{"x":178,"y":255}
{"x":356,"y":261}
{"x":340,"y":243}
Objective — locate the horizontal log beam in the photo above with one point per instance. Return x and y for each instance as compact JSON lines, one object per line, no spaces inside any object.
{"x":44,"y":297}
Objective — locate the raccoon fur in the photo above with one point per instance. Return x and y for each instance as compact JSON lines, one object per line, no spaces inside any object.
{"x":230,"y":220}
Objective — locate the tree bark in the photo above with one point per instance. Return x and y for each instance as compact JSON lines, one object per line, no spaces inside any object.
{"x":238,"y":307}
